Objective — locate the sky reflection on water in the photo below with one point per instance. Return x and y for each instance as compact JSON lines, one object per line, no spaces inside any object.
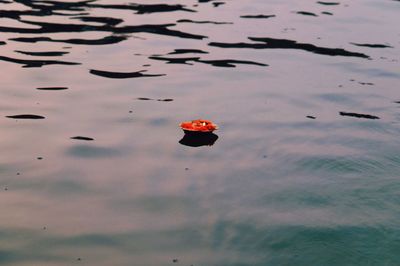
{"x":104,"y":180}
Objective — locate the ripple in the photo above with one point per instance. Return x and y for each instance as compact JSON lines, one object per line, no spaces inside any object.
{"x":26,"y":116}
{"x":202,"y":22}
{"x":306,"y":13}
{"x":123,"y":75}
{"x":328,"y":3}
{"x":82,"y":138}
{"x":102,"y":41}
{"x":52,"y":88}
{"x":372,"y":45}
{"x":258,"y":16}
{"x":35,"y":63}
{"x":41,"y":53}
{"x":366,"y":116}
{"x":271,"y":43}
{"x":216,"y":63}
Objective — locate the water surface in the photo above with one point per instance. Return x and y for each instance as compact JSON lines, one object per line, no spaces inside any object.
{"x":303,"y":171}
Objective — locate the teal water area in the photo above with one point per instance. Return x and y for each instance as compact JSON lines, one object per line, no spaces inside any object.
{"x":304,"y":169}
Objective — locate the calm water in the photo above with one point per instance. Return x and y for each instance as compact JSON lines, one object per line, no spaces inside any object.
{"x":305,"y":170}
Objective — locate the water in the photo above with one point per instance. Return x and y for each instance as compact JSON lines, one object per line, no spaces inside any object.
{"x":303,"y":171}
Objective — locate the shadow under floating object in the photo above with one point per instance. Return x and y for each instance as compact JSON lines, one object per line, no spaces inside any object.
{"x":198,"y":133}
{"x":198,"y":139}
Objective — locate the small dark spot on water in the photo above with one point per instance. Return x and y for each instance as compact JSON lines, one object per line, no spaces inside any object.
{"x":130,"y":112}
{"x":26,"y":116}
{"x":18,"y":173}
{"x":44,"y":228}
{"x":144,"y":99}
{"x":52,"y":88}
{"x":165,"y":100}
{"x":175,"y":260}
{"x":265,"y":156}
{"x":79,"y":259}
{"x":39,"y":158}
{"x":5,"y":188}
{"x":367,"y":116}
{"x":186,"y":169}
{"x":327,"y":13}
{"x":311,"y":117}
{"x":146,"y":65}
{"x":82,"y":138}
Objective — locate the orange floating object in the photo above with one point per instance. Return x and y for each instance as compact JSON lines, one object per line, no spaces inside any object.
{"x":199,"y":126}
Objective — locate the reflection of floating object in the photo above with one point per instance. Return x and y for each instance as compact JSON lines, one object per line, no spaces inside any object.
{"x":198,"y":126}
{"x":197,"y":139}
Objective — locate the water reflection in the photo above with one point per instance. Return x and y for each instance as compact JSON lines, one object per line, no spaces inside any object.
{"x":198,"y":139}
{"x":304,"y":174}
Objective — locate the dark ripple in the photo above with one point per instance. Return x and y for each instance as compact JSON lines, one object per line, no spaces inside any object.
{"x":123,"y":75}
{"x":188,"y":51}
{"x":50,"y":7}
{"x":159,"y":100}
{"x":202,"y":22}
{"x":216,"y":63}
{"x":52,"y":88}
{"x":26,"y":116}
{"x":258,"y":16}
{"x":372,"y":45}
{"x":328,"y":3}
{"x":47,"y":27}
{"x":271,"y":43}
{"x":144,"y":8}
{"x":103,"y":41}
{"x":180,"y":60}
{"x":104,"y":20}
{"x":367,"y":116}
{"x":306,"y":13}
{"x":35,"y":63}
{"x":42,"y":53}
{"x":82,"y":138}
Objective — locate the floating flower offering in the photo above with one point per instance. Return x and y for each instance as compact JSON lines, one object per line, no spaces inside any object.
{"x":198,"y":126}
